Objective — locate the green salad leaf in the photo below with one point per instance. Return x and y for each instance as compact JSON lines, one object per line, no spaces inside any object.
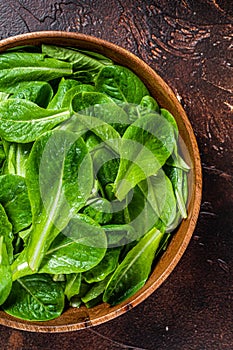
{"x":60,"y":159}
{"x":35,"y":298}
{"x":23,"y":121}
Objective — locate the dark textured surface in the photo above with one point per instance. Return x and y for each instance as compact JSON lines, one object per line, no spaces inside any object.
{"x":190,"y":44}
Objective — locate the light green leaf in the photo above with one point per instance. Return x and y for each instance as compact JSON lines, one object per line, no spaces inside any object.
{"x":22,"y":66}
{"x":73,"y":284}
{"x":5,"y":272}
{"x":145,"y":147}
{"x":64,"y":86}
{"x":80,"y":247}
{"x":23,"y":121}
{"x":60,"y":179}
{"x":134,"y":270}
{"x":6,"y":233}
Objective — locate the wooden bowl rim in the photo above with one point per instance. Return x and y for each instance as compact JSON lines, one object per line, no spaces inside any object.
{"x":83,"y":40}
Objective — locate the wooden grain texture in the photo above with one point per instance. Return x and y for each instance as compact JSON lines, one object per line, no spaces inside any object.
{"x":189,"y":43}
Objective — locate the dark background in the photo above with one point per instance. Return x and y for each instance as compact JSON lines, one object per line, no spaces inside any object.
{"x":190,"y":44}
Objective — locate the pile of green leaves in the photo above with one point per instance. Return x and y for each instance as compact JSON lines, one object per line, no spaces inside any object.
{"x":91,"y":181}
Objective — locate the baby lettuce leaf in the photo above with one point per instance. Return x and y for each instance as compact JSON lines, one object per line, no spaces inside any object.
{"x":145,"y":147}
{"x":73,"y":284}
{"x":35,"y":298}
{"x":6,"y":233}
{"x":60,"y":179}
{"x":2,"y":152}
{"x":14,"y":199}
{"x":159,"y":195}
{"x":3,"y":96}
{"x":106,"y":165}
{"x":169,"y":117}
{"x":85,"y":100}
{"x":175,"y":159}
{"x":148,"y":104}
{"x":20,"y":267}
{"x":140,"y":214}
{"x":92,"y":141}
{"x":121,"y":84}
{"x":81,"y":62}
{"x":75,"y":300}
{"x":92,"y":297}
{"x":17,"y":155}
{"x":153,"y":204}
{"x":97,"y":56}
{"x":99,"y":209}
{"x":23,"y":121}
{"x":133,"y":271}
{"x":69,"y":95}
{"x":81,"y":246}
{"x":178,"y":179}
{"x":80,"y":124}
{"x":39,"y":92}
{"x":5,"y":272}
{"x":119,"y":235}
{"x":64,"y":86}
{"x":18,"y":67}
{"x":98,"y":105}
{"x":9,"y":60}
{"x":106,"y":266}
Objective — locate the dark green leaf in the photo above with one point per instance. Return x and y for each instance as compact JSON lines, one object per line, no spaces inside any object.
{"x":106,"y":266}
{"x":91,"y":298}
{"x":106,"y":165}
{"x":121,"y":84}
{"x":75,"y":300}
{"x":2,"y":156}
{"x":14,"y":198}
{"x":92,"y":141}
{"x":119,"y":235}
{"x":147,"y":105}
{"x":175,"y":159}
{"x":81,"y":124}
{"x":35,"y":298}
{"x":99,"y":209}
{"x":39,"y":92}
{"x":96,"y":55}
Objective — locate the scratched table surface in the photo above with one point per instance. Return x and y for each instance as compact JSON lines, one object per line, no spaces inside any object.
{"x":190,"y":44}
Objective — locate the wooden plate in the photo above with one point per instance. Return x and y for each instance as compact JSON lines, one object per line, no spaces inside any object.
{"x":74,"y":319}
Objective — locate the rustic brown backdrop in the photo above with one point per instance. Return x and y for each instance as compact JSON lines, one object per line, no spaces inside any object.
{"x":190,"y":44}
